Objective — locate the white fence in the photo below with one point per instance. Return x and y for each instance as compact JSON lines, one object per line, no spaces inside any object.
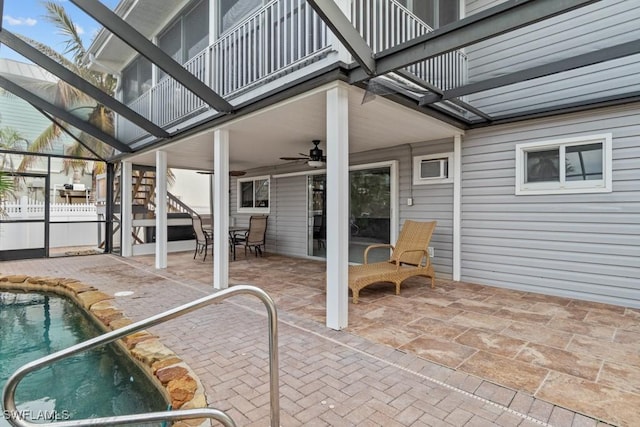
{"x":61,"y":234}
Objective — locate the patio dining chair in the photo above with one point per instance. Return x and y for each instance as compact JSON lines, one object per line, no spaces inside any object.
{"x":204,"y":239}
{"x":409,"y":257}
{"x":254,"y":238}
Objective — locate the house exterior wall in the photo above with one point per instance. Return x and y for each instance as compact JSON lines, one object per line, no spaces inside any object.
{"x":577,"y":245}
{"x":599,"y":25}
{"x":287,"y":231}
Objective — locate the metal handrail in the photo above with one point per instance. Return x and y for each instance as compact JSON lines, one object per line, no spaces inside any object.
{"x":14,"y":416}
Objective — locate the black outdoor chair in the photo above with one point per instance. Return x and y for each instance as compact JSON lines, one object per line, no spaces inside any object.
{"x":255,"y":237}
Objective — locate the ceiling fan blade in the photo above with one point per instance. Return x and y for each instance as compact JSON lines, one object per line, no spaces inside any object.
{"x":231,"y":173}
{"x":294,"y":158}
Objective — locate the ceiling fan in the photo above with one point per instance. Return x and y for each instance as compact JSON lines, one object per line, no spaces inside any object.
{"x":315,"y":159}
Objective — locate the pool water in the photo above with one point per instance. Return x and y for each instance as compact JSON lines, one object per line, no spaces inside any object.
{"x":98,"y":383}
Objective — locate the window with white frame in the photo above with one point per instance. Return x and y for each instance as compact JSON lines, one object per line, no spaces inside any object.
{"x":433,"y":169}
{"x":136,"y":79}
{"x":435,"y":13}
{"x":187,"y":35}
{"x":253,"y":194}
{"x":570,"y":165}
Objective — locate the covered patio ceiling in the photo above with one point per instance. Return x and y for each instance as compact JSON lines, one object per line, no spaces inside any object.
{"x":287,"y":128}
{"x":407,"y":97}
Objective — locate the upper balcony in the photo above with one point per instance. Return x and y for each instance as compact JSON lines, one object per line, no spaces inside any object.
{"x":284,"y":38}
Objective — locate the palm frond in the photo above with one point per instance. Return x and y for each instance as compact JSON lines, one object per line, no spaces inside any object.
{"x":42,"y":143}
{"x":6,"y":189}
{"x":57,"y":15}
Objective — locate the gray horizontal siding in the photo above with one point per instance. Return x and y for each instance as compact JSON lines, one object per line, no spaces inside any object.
{"x":577,"y":245}
{"x":290,"y":220}
{"x":597,"y":26}
{"x":430,"y":202}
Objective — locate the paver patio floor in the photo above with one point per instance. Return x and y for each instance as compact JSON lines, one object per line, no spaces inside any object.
{"x":460,"y":354}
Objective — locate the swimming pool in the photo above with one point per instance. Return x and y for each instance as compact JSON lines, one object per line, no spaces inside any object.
{"x":97,"y":383}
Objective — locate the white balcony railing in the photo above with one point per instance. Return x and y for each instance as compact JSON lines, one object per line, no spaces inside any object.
{"x":385,"y":24}
{"x":282,"y":36}
{"x":277,"y":37}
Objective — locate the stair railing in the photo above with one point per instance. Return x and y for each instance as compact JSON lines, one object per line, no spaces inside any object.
{"x":14,"y":416}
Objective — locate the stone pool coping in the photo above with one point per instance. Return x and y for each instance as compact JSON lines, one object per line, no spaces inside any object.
{"x":172,"y":376}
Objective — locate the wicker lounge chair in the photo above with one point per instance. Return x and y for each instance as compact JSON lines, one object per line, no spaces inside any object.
{"x":409,"y":258}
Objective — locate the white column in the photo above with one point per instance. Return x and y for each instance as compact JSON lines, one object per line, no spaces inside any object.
{"x":337,"y":207}
{"x":221,"y":209}
{"x":161,"y":209}
{"x":457,"y":206}
{"x":126,"y":209}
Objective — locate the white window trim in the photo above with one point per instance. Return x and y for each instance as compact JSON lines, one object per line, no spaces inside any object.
{"x":566,"y":187}
{"x":239,"y":182}
{"x":417,"y":161}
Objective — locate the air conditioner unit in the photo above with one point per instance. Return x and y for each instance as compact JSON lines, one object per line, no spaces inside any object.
{"x":434,"y":169}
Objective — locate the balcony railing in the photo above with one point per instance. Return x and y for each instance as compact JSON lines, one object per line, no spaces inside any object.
{"x":385,"y":24}
{"x":278,"y":37}
{"x":282,"y":36}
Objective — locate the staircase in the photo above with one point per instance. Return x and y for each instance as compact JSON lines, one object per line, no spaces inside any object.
{"x":144,"y":201}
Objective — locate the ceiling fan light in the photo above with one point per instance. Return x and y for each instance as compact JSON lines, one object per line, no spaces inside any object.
{"x":315,"y":163}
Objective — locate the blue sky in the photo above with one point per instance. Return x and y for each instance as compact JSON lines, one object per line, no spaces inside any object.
{"x":26,"y":17}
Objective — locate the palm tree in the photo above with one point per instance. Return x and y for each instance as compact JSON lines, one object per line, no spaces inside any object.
{"x":6,"y":189}
{"x":10,"y":139}
{"x":70,"y":98}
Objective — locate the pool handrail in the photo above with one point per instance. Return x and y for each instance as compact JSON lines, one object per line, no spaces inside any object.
{"x":15,"y":418}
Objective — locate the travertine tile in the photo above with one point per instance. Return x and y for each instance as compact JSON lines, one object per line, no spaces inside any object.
{"x":491,"y":342}
{"x":475,"y":306}
{"x":627,"y":323}
{"x":439,"y":350}
{"x":620,"y":376}
{"x":582,"y":328}
{"x":578,"y":365}
{"x":608,"y":351}
{"x":481,"y":321}
{"x":613,"y":406}
{"x":510,"y":373}
{"x":626,"y":337}
{"x":538,"y":334}
{"x":436,"y":328}
{"x":559,"y":311}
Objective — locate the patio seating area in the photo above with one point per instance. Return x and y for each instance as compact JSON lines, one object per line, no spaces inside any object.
{"x":459,"y":354}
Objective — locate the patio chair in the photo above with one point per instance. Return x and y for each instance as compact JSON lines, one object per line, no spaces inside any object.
{"x":319,"y":231}
{"x":255,"y":237}
{"x":204,"y":239}
{"x":410,"y":257}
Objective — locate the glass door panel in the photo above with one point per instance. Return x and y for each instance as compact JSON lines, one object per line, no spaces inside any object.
{"x":22,"y":224}
{"x":370,"y":213}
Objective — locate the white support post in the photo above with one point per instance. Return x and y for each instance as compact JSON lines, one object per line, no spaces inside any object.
{"x":126,"y":209}
{"x":457,"y":206}
{"x":221,"y":209}
{"x":337,"y":207}
{"x":162,"y":229}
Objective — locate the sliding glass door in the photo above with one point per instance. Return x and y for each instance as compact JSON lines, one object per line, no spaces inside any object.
{"x":370,"y":213}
